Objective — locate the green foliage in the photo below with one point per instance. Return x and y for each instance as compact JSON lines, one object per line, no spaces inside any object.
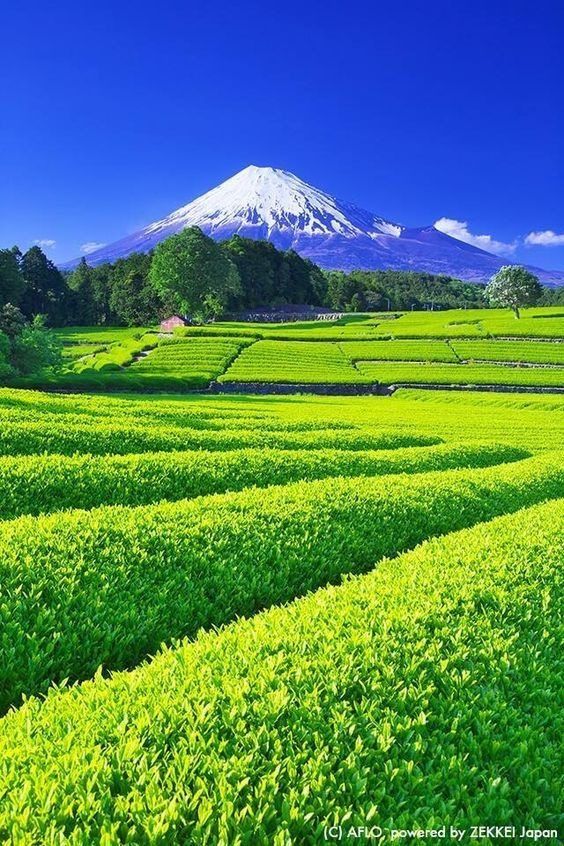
{"x":188,"y":268}
{"x":81,"y":286}
{"x":403,"y":698}
{"x":5,"y":366}
{"x":44,"y":287}
{"x":98,"y":334}
{"x":393,"y":373}
{"x":381,"y":290}
{"x":11,"y":279}
{"x":197,"y":360}
{"x":538,"y":352}
{"x":27,"y":348}
{"x":27,"y":438}
{"x":41,"y":484}
{"x":388,"y":691}
{"x":513,"y":287}
{"x":293,"y":361}
{"x":12,"y":321}
{"x":422,"y":350}
{"x":133,"y":299}
{"x":116,"y":355}
{"x":270,"y":276}
{"x":136,"y":577}
{"x":35,"y":349}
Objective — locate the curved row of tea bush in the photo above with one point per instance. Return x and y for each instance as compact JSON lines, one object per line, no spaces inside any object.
{"x":27,"y":438}
{"x":108,"y":586}
{"x":158,"y":415}
{"x":43,"y":484}
{"x":116,"y":356}
{"x":424,"y":692}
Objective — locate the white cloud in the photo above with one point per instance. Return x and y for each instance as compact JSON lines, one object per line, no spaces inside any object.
{"x":91,"y":246}
{"x":546,"y":238}
{"x":45,"y":243}
{"x":459,"y":229}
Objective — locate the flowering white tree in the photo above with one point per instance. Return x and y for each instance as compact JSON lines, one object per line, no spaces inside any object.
{"x":512,"y":287}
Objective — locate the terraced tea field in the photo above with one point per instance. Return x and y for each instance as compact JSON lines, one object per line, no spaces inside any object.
{"x":451,"y":348}
{"x":293,"y":361}
{"x":241,"y":619}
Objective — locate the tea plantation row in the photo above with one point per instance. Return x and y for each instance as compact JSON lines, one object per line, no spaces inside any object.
{"x":108,"y":586}
{"x":424,"y":692}
{"x":44,"y":483}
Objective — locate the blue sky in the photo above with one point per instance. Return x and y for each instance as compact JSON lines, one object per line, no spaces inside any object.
{"x":114,"y":114}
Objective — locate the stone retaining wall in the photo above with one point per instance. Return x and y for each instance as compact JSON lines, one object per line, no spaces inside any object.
{"x":299,"y":388}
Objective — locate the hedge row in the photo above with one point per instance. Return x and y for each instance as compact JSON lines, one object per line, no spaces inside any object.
{"x":126,"y":380}
{"x":159,"y":414}
{"x":27,"y":438}
{"x":116,"y":356}
{"x":45,"y":483}
{"x":108,"y":586}
{"x":293,"y":361}
{"x":395,"y":372}
{"x":422,"y":694}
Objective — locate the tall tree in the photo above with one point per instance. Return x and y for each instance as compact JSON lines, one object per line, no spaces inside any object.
{"x":133,"y":300}
{"x":81,"y":285}
{"x":101,"y":292}
{"x":45,"y":286}
{"x":513,"y":287}
{"x":11,"y":279}
{"x":189,"y":268}
{"x":257,"y":263}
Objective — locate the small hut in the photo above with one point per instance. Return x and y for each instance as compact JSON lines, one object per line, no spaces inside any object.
{"x":173,"y":322}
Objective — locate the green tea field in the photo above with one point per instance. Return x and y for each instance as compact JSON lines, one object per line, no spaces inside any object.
{"x":469,"y":349}
{"x":236,"y":619}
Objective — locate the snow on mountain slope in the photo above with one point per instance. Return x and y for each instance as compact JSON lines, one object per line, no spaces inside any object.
{"x":272,"y":204}
{"x":274,"y":201}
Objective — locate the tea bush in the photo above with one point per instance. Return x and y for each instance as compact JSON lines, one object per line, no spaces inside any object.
{"x":84,"y":588}
{"x":42,"y":484}
{"x":425,"y":692}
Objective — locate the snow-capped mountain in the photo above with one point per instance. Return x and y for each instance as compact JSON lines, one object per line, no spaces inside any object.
{"x":273,"y":204}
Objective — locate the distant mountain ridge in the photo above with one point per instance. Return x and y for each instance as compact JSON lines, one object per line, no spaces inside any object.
{"x":275,"y":205}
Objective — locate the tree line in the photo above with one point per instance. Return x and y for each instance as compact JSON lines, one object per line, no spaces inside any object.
{"x":191,"y":274}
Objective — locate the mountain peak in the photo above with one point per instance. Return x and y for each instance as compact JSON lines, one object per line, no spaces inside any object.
{"x":267,"y":202}
{"x":273,"y":204}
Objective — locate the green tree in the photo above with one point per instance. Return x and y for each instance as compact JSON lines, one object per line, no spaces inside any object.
{"x":189,"y":267}
{"x":101,"y":292}
{"x":513,"y":287}
{"x":298,"y":287}
{"x":11,"y":279}
{"x":12,"y":321}
{"x":35,"y":348}
{"x":45,"y":287}
{"x":83,"y":305}
{"x":358,"y":302}
{"x":256,"y":263}
{"x":5,"y":366}
{"x":133,"y":300}
{"x":26,"y":347}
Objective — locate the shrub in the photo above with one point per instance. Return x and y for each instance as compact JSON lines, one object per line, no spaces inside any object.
{"x":427,"y":691}
{"x":80,"y":589}
{"x":27,"y":438}
{"x":46,"y":483}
